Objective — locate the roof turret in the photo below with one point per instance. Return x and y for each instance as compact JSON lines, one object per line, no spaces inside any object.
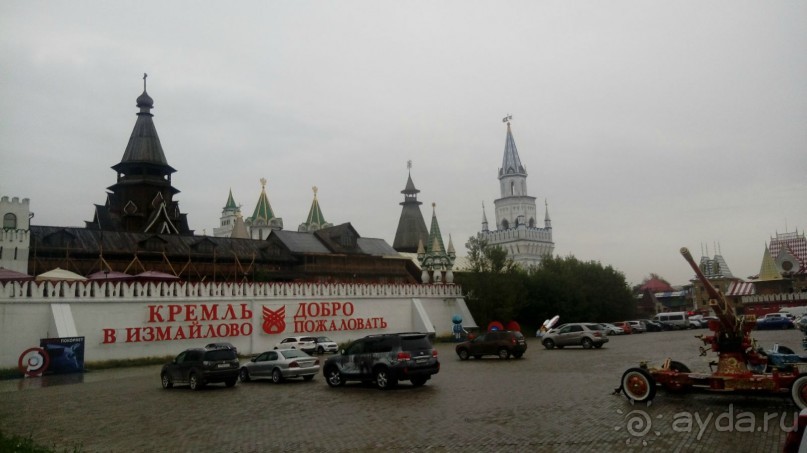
{"x":263,"y":210}
{"x":315,"y":220}
{"x":511,"y":163}
{"x":144,"y":144}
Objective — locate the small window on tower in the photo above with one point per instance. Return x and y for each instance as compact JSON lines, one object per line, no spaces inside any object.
{"x":10,"y":221}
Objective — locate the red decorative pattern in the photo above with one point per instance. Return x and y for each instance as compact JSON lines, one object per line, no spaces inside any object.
{"x":274,"y":321}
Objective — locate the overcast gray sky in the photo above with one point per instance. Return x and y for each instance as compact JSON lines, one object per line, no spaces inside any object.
{"x":647,"y":126}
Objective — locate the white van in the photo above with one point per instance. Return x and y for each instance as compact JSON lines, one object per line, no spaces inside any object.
{"x":676,"y":319}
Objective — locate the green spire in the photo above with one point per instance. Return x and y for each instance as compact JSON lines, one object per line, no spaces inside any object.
{"x":315,"y":216}
{"x":435,"y":237}
{"x":263,"y":210}
{"x":230,"y":206}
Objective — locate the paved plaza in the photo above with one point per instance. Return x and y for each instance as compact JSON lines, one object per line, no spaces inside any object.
{"x":550,"y":400}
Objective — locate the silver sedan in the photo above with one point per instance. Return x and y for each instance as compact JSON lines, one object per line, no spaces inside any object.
{"x":280,"y":365}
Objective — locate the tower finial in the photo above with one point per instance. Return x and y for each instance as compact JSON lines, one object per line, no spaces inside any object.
{"x":144,"y":81}
{"x":263,"y":183}
{"x":409,"y":164}
{"x":507,"y":119}
{"x":315,"y":191}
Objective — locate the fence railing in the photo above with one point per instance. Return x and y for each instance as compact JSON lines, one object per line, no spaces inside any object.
{"x":64,"y":290}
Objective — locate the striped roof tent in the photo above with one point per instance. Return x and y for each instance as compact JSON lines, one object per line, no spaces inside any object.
{"x":740,"y":288}
{"x":789,"y":251}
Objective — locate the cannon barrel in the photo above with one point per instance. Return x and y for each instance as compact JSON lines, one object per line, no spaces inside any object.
{"x":722,"y":308}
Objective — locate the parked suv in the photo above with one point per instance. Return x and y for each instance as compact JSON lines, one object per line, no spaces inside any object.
{"x":325,"y":344}
{"x":385,"y":360}
{"x":576,"y":334}
{"x":199,"y":367}
{"x":503,"y":343}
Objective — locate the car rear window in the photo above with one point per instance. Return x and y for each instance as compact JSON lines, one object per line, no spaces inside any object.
{"x":220,"y":354}
{"x":414,"y":343}
{"x":594,"y":326}
{"x":292,"y":353}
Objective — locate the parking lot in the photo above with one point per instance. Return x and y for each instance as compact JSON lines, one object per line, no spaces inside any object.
{"x":550,"y":400}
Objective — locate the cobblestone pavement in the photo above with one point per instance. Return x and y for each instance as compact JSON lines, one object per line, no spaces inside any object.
{"x":550,"y":400}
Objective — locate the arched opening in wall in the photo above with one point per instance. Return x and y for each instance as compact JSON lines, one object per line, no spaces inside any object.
{"x":532,"y":222}
{"x":505,"y":224}
{"x":512,"y":188}
{"x":9,"y":221}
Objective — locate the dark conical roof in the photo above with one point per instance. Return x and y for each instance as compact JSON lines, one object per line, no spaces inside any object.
{"x":411,"y":225}
{"x":144,"y":144}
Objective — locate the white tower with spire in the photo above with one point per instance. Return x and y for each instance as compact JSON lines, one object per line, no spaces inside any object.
{"x":517,"y":228}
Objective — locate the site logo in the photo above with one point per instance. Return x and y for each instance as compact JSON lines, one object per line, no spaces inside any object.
{"x":274,"y":321}
{"x":643,"y":428}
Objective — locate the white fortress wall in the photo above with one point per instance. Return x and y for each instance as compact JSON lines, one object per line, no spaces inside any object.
{"x":134,"y":320}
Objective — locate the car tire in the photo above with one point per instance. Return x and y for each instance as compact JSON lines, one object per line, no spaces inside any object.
{"x":504,"y":354}
{"x":383,"y":379}
{"x":243,"y":375}
{"x":231,"y":382}
{"x":638,"y":385}
{"x":166,"y":381}
{"x":195,"y":382}
{"x":308,"y":377}
{"x":320,"y":350}
{"x":518,"y":354}
{"x":598,"y":345}
{"x":463,"y":353}
{"x":587,"y":343}
{"x":419,"y":381}
{"x":548,"y":343}
{"x":277,"y":376}
{"x":333,"y":377}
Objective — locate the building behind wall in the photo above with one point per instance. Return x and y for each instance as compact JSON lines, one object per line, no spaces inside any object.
{"x":15,"y":235}
{"x":517,"y":229}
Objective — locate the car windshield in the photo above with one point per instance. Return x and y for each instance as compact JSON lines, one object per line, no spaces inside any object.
{"x":323,"y":339}
{"x":307,"y":339}
{"x":220,"y":354}
{"x":293,"y":353}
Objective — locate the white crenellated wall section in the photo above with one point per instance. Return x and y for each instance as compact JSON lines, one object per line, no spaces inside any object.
{"x":158,"y":319}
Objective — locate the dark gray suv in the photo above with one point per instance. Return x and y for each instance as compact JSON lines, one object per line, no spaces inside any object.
{"x":198,"y":367}
{"x":385,"y":360}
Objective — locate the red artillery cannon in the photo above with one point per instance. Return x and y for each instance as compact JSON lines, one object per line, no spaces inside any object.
{"x":741,"y":365}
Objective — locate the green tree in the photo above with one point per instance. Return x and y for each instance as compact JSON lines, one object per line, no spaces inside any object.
{"x":576,"y":291}
{"x":494,"y":287}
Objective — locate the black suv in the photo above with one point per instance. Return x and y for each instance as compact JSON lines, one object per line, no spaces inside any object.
{"x":198,"y":367}
{"x":502,"y":343}
{"x":384,"y":359}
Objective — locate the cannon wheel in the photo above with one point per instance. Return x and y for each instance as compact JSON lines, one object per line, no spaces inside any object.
{"x":798,"y":391}
{"x":638,"y":385}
